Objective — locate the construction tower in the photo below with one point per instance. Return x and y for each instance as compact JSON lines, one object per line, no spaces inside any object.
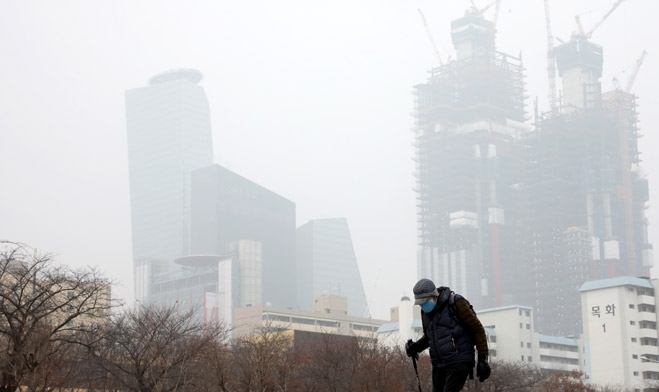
{"x":584,"y":196}
{"x":468,"y":116}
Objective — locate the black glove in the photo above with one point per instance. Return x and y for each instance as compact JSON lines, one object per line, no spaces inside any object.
{"x":412,"y":349}
{"x":483,"y":369}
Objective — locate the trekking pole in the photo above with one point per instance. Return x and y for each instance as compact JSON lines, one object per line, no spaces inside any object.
{"x":416,"y":371}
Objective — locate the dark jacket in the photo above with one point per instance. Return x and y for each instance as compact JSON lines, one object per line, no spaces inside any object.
{"x":452,"y":337}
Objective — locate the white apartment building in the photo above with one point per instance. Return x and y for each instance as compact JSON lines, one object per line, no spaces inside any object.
{"x":560,"y":353}
{"x":512,"y":329}
{"x":620,"y":331}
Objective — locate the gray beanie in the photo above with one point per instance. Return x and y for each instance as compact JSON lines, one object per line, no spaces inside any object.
{"x":423,"y":289}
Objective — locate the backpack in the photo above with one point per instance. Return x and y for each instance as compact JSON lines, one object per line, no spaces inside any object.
{"x":453,"y":309}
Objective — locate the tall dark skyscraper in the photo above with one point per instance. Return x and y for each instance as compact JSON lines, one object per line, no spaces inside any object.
{"x":169,"y":135}
{"x":326,"y":264}
{"x":227,"y":208}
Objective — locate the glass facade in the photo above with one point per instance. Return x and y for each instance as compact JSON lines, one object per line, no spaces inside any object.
{"x":326,"y":264}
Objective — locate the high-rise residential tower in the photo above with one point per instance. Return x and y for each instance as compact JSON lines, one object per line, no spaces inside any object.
{"x":169,"y":135}
{"x":326,"y":264}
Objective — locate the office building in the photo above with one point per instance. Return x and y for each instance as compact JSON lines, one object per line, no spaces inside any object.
{"x":213,"y":285}
{"x":169,"y":135}
{"x":228,"y":208}
{"x":326,"y":264}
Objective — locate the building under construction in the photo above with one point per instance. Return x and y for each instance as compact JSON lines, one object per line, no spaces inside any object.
{"x":509,"y":213}
{"x":468,"y":119}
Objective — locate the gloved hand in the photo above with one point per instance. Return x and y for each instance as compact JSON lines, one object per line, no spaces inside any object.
{"x":412,"y":349}
{"x":483,"y":369}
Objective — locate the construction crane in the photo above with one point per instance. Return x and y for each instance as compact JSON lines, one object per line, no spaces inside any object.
{"x":598,"y":24}
{"x":480,"y":11}
{"x":432,"y":41}
{"x":632,"y":76}
{"x":551,"y":60}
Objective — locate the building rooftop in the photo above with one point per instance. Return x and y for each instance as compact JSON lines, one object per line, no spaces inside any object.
{"x":615,"y":282}
{"x":394,"y":326}
{"x":509,"y":307}
{"x":191,"y":75}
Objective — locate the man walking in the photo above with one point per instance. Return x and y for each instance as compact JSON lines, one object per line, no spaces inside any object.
{"x":451,"y":329}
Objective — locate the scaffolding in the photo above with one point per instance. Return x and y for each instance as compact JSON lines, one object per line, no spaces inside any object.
{"x":463,"y":143}
{"x":473,"y":88}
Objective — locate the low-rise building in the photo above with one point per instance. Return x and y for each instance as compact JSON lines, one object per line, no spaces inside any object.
{"x":329,"y":316}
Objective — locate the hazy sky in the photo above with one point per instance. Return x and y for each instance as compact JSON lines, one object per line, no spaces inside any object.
{"x":310,"y":99}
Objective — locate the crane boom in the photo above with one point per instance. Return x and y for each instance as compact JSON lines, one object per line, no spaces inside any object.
{"x":599,"y":22}
{"x":480,"y":11}
{"x":551,"y":62}
{"x":597,"y":25}
{"x":432,"y":41}
{"x":632,"y":77}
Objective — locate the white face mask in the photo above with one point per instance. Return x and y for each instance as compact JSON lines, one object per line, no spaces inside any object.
{"x":428,"y":306}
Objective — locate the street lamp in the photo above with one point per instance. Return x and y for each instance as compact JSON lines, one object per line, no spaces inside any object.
{"x":23,"y":246}
{"x":26,"y":248}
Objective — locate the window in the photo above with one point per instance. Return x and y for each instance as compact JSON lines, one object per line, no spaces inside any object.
{"x":634,"y":356}
{"x":528,"y":326}
{"x":528,"y":313}
{"x":528,"y":345}
{"x":528,"y":358}
{"x":521,"y":325}
{"x":522,"y":359}
{"x":521,"y":344}
{"x":636,"y":373}
{"x":633,"y":339}
{"x":632,"y":322}
{"x":631,"y":306}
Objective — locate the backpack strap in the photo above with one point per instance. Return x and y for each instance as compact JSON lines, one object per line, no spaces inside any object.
{"x":452,"y":309}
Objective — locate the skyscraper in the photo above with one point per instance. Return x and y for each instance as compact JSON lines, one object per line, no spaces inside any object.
{"x":169,"y":135}
{"x":227,"y":208}
{"x":326,"y":264}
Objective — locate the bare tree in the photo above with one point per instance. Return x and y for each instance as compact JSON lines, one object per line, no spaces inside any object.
{"x":214,"y":367}
{"x":266,"y":361}
{"x":153,"y":348}
{"x":43,"y":309}
{"x":509,"y":376}
{"x":382,"y":369}
{"x":569,"y":381}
